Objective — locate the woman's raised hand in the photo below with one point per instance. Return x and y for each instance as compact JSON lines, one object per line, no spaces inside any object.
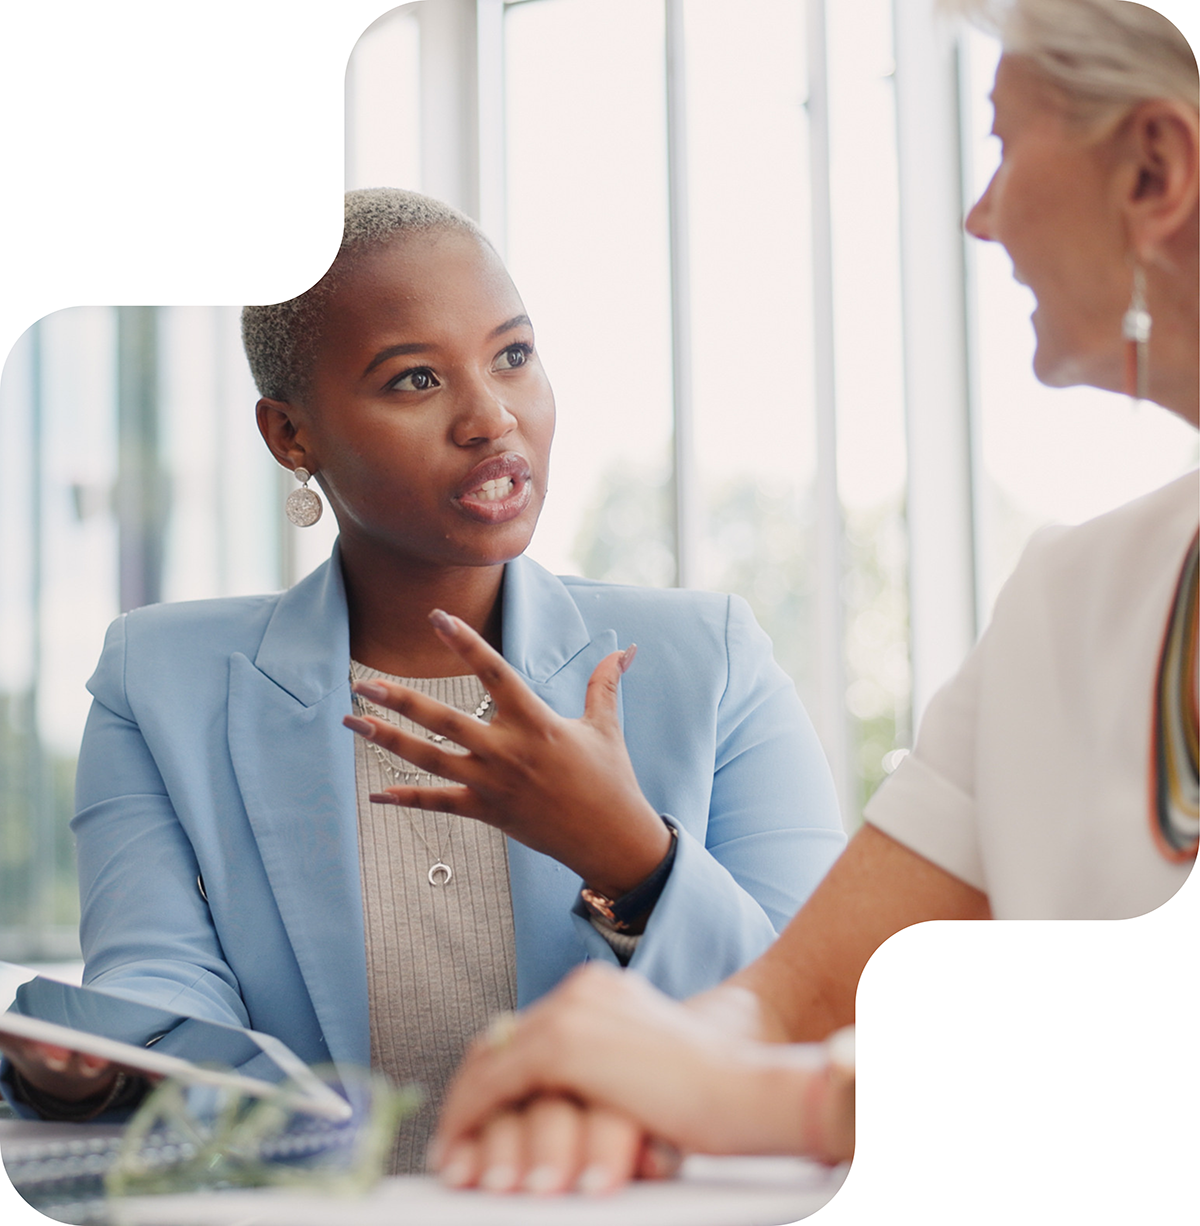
{"x":564,"y":787}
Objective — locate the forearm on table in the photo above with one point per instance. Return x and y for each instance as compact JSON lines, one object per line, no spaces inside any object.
{"x":756,"y":1004}
{"x":765,"y":1099}
{"x":804,"y":986}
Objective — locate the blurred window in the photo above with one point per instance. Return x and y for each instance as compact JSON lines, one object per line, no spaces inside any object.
{"x":134,"y":474}
{"x":588,"y":245}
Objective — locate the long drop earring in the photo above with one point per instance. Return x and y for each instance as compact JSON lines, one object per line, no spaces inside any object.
{"x":1135,"y":328}
{"x":303,"y":506}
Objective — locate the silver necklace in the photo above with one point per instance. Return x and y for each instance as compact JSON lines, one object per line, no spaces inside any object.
{"x":440,"y":873}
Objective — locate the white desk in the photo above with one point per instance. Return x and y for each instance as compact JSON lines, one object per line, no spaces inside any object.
{"x":710,"y":1192}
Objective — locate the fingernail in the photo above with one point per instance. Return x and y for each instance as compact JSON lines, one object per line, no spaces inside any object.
{"x":627,"y":656}
{"x":660,"y":1161}
{"x":542,"y":1179}
{"x":595,"y":1180}
{"x":501,"y":1178}
{"x":457,"y":1173}
{"x":360,"y":726}
{"x":56,"y":1064}
{"x":370,"y":689}
{"x":382,"y":798}
{"x":443,"y":622}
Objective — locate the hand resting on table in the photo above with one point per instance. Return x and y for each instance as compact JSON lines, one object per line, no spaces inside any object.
{"x":610,"y":1047}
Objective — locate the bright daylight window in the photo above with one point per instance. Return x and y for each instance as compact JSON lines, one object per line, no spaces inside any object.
{"x":588,"y":246}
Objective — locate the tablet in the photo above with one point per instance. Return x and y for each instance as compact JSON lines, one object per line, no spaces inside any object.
{"x":161,"y":1042}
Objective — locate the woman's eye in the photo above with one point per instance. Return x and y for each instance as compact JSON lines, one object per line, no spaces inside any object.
{"x":414,"y":381}
{"x":513,"y":356}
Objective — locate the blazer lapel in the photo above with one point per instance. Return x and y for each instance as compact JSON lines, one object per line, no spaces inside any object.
{"x":295,"y":767}
{"x":285,"y":713}
{"x":548,"y":642}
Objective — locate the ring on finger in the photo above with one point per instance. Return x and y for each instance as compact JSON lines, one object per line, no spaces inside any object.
{"x":501,"y":1031}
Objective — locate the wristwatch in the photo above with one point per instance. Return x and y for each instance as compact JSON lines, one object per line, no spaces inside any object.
{"x":621,"y":913}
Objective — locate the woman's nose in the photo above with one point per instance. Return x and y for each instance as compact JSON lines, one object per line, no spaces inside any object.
{"x":978,"y":222}
{"x":482,"y":418}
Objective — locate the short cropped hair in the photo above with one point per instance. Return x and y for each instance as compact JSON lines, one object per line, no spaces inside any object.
{"x":281,"y":340}
{"x":1105,"y":56}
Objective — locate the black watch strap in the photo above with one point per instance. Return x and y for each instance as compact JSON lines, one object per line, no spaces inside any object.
{"x":622,"y":912}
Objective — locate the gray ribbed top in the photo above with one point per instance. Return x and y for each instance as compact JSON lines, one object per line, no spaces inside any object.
{"x":440,"y":959}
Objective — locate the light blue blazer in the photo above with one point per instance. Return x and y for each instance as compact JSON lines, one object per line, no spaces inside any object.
{"x":215,"y":750}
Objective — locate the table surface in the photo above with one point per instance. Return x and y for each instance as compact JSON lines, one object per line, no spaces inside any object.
{"x":709,"y":1192}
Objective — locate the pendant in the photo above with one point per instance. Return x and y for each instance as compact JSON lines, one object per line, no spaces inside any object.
{"x":440,"y":874}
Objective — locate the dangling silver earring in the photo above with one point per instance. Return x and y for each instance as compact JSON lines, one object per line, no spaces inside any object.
{"x":1135,"y":328}
{"x":303,"y":506}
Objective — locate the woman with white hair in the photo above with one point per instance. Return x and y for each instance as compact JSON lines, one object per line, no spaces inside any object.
{"x":1054,"y":776}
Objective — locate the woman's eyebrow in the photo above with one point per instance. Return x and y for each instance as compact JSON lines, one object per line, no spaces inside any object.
{"x":509,"y":325}
{"x":395,"y":351}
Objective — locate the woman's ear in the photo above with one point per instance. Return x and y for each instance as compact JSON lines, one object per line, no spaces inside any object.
{"x":1162,"y":204}
{"x":279,"y":424}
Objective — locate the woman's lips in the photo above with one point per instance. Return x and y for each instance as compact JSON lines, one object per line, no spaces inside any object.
{"x":497,"y":490}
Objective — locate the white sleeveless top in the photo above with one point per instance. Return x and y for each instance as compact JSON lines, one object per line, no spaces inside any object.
{"x":1032,"y":773}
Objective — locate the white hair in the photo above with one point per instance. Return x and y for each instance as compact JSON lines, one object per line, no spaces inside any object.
{"x":1104,"y":55}
{"x":281,"y":340}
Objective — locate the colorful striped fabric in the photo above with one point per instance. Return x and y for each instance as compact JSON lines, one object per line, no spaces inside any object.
{"x":1175,"y":776}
